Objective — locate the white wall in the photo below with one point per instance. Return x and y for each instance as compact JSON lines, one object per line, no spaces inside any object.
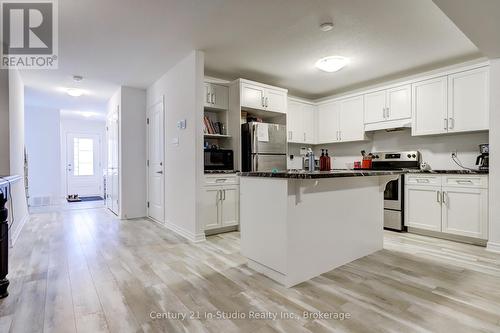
{"x":78,"y":124}
{"x":436,"y":150}
{"x":132,"y":154}
{"x":182,"y":86}
{"x":16,"y":146}
{"x":494,"y":229}
{"x":4,"y":122}
{"x":42,"y":135}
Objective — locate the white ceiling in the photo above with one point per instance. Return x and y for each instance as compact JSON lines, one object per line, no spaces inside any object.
{"x":130,"y":42}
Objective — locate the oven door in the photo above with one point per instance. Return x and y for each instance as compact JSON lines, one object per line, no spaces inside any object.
{"x":393,"y":195}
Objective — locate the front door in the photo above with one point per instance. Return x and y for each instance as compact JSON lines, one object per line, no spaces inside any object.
{"x":82,"y":164}
{"x":156,"y":180}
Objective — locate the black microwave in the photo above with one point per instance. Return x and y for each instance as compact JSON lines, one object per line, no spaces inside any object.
{"x":219,"y":159}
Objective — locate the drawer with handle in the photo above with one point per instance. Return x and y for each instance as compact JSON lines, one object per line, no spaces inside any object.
{"x":221,"y":179}
{"x":423,"y":180}
{"x":466,"y":181}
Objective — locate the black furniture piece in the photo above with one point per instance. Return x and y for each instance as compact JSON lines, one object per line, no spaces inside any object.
{"x":5,"y":193}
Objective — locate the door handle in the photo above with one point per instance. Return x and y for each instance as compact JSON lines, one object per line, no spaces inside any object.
{"x":262,"y":102}
{"x":446,"y":123}
{"x":267,"y":102}
{"x":159,"y":172}
{"x":444,"y":197}
{"x":422,"y":180}
{"x":452,"y":123}
{"x":208,"y":98}
{"x":438,"y":196}
{"x":304,"y":137}
{"x":224,"y":191}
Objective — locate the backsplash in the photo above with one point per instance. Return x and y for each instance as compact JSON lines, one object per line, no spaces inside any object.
{"x":436,"y":150}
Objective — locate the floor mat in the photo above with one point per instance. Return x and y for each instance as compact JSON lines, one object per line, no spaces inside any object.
{"x":95,"y":198}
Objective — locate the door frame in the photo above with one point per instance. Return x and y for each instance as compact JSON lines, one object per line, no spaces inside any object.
{"x":163,"y":110}
{"x":99,"y":173}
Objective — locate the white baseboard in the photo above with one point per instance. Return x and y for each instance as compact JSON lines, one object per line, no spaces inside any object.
{"x":195,"y":238}
{"x":493,"y":247}
{"x":16,"y":232}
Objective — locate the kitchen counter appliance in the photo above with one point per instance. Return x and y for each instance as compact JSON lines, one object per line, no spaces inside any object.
{"x":483,"y":160}
{"x":263,"y":147}
{"x":394,"y":190}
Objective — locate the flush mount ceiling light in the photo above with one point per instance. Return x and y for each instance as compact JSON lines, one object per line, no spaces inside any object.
{"x":332,"y":63}
{"x":327,"y":26}
{"x":74,"y":92}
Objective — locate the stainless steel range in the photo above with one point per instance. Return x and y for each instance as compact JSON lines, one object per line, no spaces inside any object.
{"x":394,"y":190}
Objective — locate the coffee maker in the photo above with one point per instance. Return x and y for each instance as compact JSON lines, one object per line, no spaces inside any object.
{"x":483,"y":160}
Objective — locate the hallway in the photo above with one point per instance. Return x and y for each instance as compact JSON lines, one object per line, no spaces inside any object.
{"x":87,"y":271}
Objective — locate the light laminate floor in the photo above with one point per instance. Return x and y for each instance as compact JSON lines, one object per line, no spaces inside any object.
{"x":86,"y":271}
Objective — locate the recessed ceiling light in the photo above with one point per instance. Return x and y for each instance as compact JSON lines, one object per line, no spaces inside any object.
{"x":332,"y":63}
{"x":77,"y":78}
{"x":74,"y":92}
{"x":327,"y":26}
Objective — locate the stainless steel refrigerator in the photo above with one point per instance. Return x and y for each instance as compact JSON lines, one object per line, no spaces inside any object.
{"x":263,"y":147}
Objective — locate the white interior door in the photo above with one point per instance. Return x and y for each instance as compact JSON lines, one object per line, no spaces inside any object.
{"x":156,"y":151}
{"x":82,"y":164}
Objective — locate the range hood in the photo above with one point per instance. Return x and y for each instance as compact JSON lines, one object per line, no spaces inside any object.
{"x":392,"y":125}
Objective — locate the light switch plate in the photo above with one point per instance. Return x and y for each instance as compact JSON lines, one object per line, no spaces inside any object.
{"x":181,"y":124}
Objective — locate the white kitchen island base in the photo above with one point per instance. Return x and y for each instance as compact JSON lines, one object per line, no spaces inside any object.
{"x":295,"y":229}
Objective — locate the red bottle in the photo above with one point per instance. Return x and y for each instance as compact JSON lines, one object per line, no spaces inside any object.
{"x":328,"y":161}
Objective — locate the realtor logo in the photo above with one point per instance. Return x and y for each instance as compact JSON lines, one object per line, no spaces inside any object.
{"x":29,"y":34}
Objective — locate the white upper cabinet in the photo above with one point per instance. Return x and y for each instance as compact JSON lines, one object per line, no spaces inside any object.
{"x":430,"y":106}
{"x":294,"y":121}
{"x":468,"y":100}
{"x":375,"y":107}
{"x":300,"y":122}
{"x":387,"y":105}
{"x":351,"y":125}
{"x":308,"y":122}
{"x":261,"y":97}
{"x":458,"y":102}
{"x":399,"y":103}
{"x":341,"y":121}
{"x":252,"y":96}
{"x":275,"y":100}
{"x":216,"y":96}
{"x":328,"y":122}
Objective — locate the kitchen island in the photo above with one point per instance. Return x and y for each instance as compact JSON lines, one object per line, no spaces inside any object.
{"x":298,"y":225}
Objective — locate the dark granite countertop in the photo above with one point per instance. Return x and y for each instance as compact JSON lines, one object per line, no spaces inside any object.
{"x":219,"y":172}
{"x":451,"y":172}
{"x":320,"y":174}
{"x":299,"y":174}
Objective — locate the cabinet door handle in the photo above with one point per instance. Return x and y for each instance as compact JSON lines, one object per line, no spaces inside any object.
{"x":224,"y":195}
{"x":445,"y":197}
{"x":220,"y":180}
{"x":208,"y":98}
{"x":446,"y":123}
{"x":464,"y":181}
{"x":267,"y":102}
{"x":340,"y":135}
{"x":304,"y":137}
{"x":388,"y":113}
{"x":452,"y":123}
{"x":438,"y":196}
{"x":218,"y":197}
{"x":262,"y":101}
{"x":383,"y":113}
{"x":422,"y":180}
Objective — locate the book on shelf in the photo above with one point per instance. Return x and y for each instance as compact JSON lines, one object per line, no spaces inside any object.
{"x":213,"y":127}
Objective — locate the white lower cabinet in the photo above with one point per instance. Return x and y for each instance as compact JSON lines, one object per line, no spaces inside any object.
{"x":220,"y":206}
{"x":423,"y":207}
{"x":465,"y":211}
{"x":458,"y":207}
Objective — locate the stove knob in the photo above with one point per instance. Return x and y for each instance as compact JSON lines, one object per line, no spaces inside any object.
{"x":376,"y":156}
{"x":413,"y":155}
{"x":409,"y":155}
